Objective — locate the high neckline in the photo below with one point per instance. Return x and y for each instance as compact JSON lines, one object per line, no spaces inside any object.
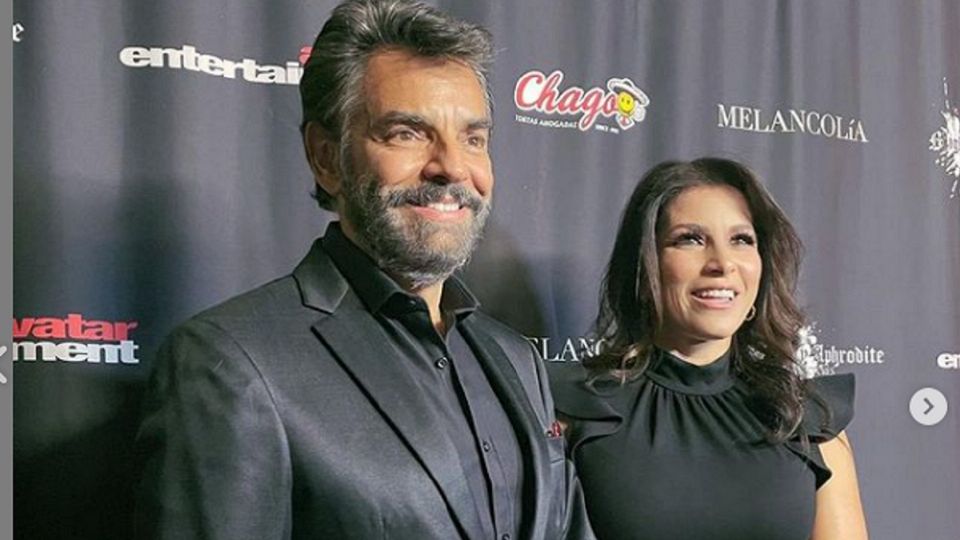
{"x":668,"y":370}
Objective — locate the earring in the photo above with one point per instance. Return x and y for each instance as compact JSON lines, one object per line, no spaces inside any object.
{"x":752,"y":313}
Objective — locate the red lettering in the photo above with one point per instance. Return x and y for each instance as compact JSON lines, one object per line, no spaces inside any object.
{"x":610,"y":105}
{"x":548,"y":95}
{"x":592,"y":101}
{"x":98,"y":330}
{"x":121,"y":330}
{"x":47,"y":327}
{"x":570,"y":100}
{"x":73,"y":326}
{"x":520,"y":92}
{"x":22,"y":328}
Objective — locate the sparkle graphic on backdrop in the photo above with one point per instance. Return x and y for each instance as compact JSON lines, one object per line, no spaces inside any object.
{"x":809,"y":354}
{"x":946,"y":141}
{"x":814,"y":359}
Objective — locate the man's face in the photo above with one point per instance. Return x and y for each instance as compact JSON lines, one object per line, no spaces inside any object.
{"x":419,"y":181}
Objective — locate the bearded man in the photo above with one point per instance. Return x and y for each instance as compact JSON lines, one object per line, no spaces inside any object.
{"x":365,"y":395}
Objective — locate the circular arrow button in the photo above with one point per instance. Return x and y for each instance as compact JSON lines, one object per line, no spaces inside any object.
{"x":928,"y":406}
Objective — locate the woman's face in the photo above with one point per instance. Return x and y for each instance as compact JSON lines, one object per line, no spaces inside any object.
{"x":709,"y":269}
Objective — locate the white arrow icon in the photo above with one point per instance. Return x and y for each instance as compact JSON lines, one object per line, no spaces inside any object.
{"x":928,"y":406}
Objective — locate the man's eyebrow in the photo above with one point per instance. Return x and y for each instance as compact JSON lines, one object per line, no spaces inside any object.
{"x":482,"y":123}
{"x":393,"y":118}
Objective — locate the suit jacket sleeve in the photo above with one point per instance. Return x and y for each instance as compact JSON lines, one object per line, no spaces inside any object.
{"x":211,"y":447}
{"x":576,"y":525}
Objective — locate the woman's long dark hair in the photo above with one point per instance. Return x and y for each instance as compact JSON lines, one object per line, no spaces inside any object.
{"x":630,"y":301}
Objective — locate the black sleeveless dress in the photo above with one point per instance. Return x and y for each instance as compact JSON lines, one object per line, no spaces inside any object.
{"x":678,"y":455}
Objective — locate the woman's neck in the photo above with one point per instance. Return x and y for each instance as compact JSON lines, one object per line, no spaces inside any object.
{"x":698,"y":353}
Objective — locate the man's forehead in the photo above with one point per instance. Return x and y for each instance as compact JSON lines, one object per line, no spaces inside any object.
{"x":398,"y":81}
{"x":401,"y":59}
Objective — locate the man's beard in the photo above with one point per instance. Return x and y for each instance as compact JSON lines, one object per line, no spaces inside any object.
{"x":408,"y":247}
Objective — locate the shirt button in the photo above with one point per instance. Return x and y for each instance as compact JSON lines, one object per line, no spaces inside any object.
{"x":442,"y":362}
{"x":504,"y":537}
{"x":486,"y":446}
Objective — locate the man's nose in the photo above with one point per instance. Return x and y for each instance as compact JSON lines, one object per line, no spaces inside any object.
{"x":447,"y":164}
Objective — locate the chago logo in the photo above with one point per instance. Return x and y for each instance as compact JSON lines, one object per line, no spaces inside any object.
{"x":945,"y":142}
{"x":619,"y":99}
{"x":813,"y":359}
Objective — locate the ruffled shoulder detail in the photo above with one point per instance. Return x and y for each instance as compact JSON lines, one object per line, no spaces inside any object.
{"x":828,"y":409}
{"x":829,"y":406}
{"x":591,"y":408}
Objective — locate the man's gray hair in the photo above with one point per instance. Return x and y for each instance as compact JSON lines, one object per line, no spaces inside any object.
{"x":330,"y":89}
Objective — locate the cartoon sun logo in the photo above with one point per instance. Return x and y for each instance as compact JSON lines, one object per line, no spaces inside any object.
{"x":946,"y":142}
{"x":626,"y":103}
{"x":631,"y":102}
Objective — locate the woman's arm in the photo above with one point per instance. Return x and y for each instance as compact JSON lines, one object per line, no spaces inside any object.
{"x":839,"y":512}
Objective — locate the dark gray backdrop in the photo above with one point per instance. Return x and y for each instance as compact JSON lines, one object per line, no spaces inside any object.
{"x":143,"y":194}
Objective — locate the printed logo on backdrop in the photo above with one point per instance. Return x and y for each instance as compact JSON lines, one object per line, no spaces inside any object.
{"x":566,"y":349}
{"x":948,"y":360}
{"x":188,"y":58}
{"x":74,"y":339}
{"x":17,"y":32}
{"x":814,"y":358}
{"x":616,"y":106}
{"x":791,"y":122}
{"x":945,"y":142}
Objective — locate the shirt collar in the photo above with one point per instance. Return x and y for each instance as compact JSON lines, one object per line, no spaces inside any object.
{"x":379,"y":292}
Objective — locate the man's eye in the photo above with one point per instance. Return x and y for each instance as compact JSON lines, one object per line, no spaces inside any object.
{"x":401,"y":135}
{"x":477,"y":141}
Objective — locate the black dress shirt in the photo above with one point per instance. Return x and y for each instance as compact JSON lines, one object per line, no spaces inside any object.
{"x":451,"y":378}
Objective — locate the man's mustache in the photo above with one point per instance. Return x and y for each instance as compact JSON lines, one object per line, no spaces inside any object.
{"x":427,"y":193}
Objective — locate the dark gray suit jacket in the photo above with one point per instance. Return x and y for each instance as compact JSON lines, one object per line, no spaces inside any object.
{"x":282,"y":413}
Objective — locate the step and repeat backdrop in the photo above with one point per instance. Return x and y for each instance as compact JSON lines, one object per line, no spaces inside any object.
{"x":159,"y":170}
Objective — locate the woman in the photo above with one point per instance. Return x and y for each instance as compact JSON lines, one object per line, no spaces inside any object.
{"x":693,"y":422}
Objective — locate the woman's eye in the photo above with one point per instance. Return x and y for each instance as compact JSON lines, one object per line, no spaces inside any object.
{"x":688,"y":239}
{"x":745,"y":240}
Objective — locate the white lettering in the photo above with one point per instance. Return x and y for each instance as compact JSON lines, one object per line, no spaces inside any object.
{"x":189,"y":59}
{"x":124,"y":352}
{"x":948,"y":361}
{"x":790,"y":121}
{"x":725,"y":118}
{"x":135,"y":57}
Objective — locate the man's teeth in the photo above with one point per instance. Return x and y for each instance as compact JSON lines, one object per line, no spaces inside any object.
{"x":444,"y":207}
{"x":715,"y":293}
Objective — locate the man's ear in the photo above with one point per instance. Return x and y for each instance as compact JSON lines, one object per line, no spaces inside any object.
{"x":323,"y":156}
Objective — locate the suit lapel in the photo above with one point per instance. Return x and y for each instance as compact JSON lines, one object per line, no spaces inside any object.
{"x":361,"y":346}
{"x":506,"y":382}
